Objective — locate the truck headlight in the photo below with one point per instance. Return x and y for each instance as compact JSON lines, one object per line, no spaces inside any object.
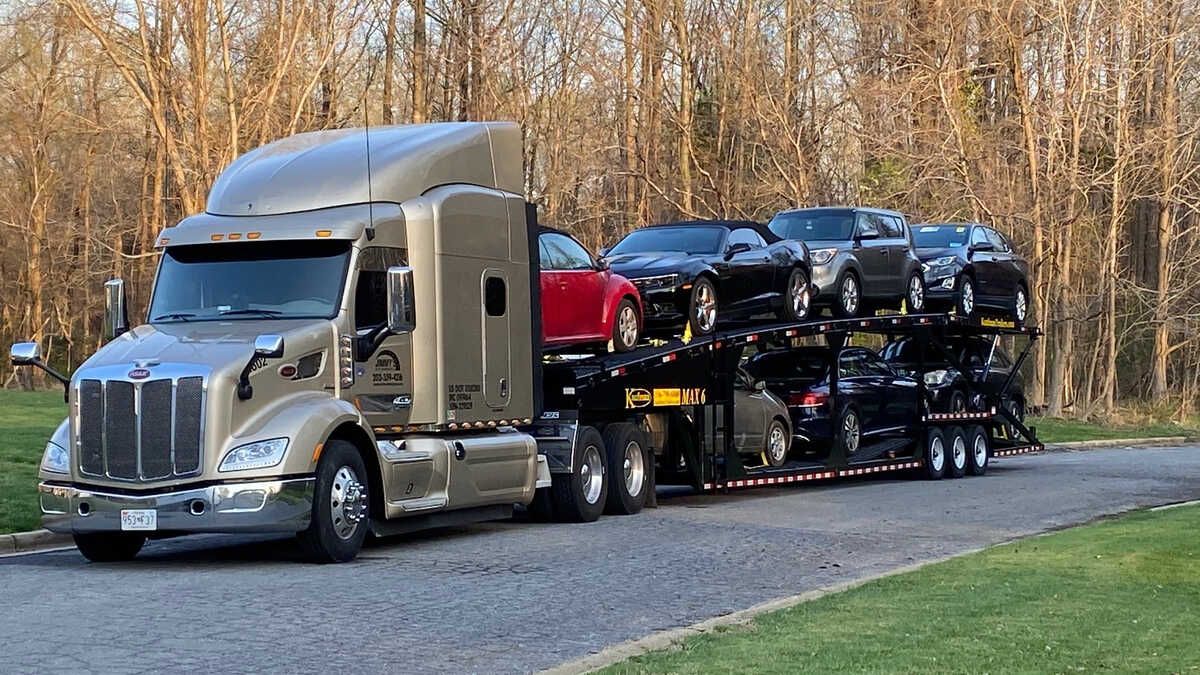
{"x":55,"y":459}
{"x":822,"y":256}
{"x":257,"y":455}
{"x":935,"y":378}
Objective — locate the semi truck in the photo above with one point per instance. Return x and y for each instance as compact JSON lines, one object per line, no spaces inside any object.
{"x":345,"y":342}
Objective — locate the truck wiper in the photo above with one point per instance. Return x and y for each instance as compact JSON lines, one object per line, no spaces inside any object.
{"x":252,"y":310}
{"x":175,"y":316}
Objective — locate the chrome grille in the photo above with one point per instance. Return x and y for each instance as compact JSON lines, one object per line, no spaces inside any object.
{"x":139,"y":430}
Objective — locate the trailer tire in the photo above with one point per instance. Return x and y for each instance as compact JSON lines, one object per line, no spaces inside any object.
{"x":577,"y":497}
{"x":977,"y":450}
{"x":341,"y":512}
{"x":956,"y":455}
{"x":630,"y":478}
{"x":102,"y":547}
{"x":934,"y":466}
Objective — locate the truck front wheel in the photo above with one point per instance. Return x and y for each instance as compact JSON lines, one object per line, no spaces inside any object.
{"x":580,"y":496}
{"x":341,"y":508}
{"x":109,"y":546}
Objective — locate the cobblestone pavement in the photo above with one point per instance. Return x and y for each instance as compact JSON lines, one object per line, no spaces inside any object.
{"x":512,"y":596}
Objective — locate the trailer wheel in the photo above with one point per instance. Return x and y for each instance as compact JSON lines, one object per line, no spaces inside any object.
{"x":627,"y":455}
{"x":579,"y":496}
{"x":103,"y":547}
{"x":956,"y":455}
{"x":977,"y":450}
{"x":341,"y":509}
{"x":935,"y":455}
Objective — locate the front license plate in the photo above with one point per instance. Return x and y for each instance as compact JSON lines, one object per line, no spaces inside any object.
{"x":139,"y":519}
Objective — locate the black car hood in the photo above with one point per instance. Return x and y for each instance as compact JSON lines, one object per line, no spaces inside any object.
{"x":931,"y":253}
{"x":632,"y":265}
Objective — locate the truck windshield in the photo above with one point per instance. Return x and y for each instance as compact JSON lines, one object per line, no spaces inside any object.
{"x":272,"y":280}
{"x":814,"y":225}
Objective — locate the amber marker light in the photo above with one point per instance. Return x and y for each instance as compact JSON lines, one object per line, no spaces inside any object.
{"x":324,"y":233}
{"x":217,"y":237}
{"x":233,"y":236}
{"x":253,"y":235}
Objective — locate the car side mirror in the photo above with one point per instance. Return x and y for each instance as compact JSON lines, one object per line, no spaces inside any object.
{"x":602,"y":264}
{"x":116,"y":314}
{"x":734,"y":249}
{"x":760,"y":386}
{"x":401,"y":303}
{"x":867,"y":234}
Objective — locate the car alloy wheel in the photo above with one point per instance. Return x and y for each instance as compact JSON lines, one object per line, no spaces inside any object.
{"x":966,"y":296}
{"x":627,"y":326}
{"x":800,"y":296}
{"x":850,"y":432}
{"x":777,"y":445}
{"x":1020,"y":305}
{"x":706,"y":306}
{"x":916,"y":293}
{"x":849,"y":295}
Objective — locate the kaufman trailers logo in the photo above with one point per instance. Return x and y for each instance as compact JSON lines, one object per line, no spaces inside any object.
{"x":665,"y":397}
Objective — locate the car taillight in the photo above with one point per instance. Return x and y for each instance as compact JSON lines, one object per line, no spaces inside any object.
{"x":809,"y":399}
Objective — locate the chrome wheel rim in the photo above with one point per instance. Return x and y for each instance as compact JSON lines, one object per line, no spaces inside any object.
{"x":627,"y":326}
{"x":777,"y":444}
{"x":916,"y":294}
{"x":800,"y":296}
{"x":1022,"y":304}
{"x":968,"y":296}
{"x":347,"y":502}
{"x":591,"y":474}
{"x":937,"y":454}
{"x":850,"y":432}
{"x":980,"y":450}
{"x":706,"y":307}
{"x":850,"y":295}
{"x":635,"y":469}
{"x":958,"y":452}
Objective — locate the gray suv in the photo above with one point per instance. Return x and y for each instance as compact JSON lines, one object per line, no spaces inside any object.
{"x":861,"y":257}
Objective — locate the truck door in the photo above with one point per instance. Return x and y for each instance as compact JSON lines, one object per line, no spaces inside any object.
{"x":494,"y":288}
{"x":383,"y":391}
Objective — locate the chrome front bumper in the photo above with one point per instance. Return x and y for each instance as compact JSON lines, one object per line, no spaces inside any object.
{"x":267,"y":506}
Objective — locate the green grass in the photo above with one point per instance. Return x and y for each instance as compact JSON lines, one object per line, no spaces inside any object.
{"x":1117,"y":596}
{"x":1057,"y":430}
{"x":26,"y":422}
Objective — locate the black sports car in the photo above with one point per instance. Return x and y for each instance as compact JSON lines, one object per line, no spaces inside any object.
{"x":686,"y":271}
{"x":969,"y":266}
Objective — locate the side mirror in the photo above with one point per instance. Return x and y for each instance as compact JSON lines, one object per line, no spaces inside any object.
{"x":268,"y":346}
{"x":867,"y":234}
{"x":760,"y":386}
{"x":116,"y":315}
{"x":25,"y":353}
{"x":401,"y":300}
{"x":734,"y":249}
{"x":602,"y":264}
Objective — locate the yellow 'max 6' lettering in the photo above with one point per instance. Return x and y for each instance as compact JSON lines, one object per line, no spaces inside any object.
{"x":664,"y":397}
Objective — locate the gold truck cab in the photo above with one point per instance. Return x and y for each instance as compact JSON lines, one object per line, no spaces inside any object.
{"x":329,"y":349}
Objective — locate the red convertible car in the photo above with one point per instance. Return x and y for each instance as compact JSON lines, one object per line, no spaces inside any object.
{"x":583,"y":302}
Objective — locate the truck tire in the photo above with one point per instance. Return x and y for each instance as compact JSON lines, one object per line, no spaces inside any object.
{"x":580,"y":495}
{"x":101,"y":547}
{"x":934,"y":466}
{"x":629,"y":482}
{"x":341,"y":506}
{"x":977,"y":450}
{"x":956,"y":452}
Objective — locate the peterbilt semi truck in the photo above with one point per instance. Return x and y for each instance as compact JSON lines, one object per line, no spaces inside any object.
{"x":345,"y":342}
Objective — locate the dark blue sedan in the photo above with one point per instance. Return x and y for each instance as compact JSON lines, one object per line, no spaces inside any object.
{"x":969,"y":266}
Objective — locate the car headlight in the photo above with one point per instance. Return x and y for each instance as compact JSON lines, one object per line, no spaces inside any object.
{"x":822,"y":256}
{"x":935,"y":378}
{"x":55,"y":459}
{"x":257,"y":455}
{"x":944,"y":261}
{"x":652,"y":283}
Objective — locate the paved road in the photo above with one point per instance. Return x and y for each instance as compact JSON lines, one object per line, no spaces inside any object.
{"x":511,"y":596}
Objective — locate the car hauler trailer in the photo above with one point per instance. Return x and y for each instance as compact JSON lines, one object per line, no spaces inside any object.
{"x":345,"y":341}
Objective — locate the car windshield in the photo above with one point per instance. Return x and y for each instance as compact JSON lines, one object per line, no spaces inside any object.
{"x":690,"y":240}
{"x":260,"y":280}
{"x":814,"y":225}
{"x":941,"y":236}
